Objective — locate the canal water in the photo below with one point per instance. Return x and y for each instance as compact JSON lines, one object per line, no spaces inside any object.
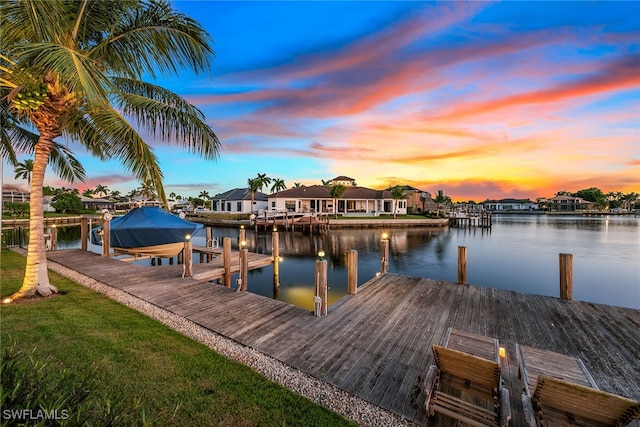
{"x":519,"y":253}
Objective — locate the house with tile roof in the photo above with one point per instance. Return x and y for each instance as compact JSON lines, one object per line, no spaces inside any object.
{"x":418,"y":200}
{"x":317,"y":198}
{"x":238,"y":200}
{"x":570,"y":203}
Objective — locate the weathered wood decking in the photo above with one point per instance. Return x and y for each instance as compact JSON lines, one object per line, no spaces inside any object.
{"x":377,"y":344}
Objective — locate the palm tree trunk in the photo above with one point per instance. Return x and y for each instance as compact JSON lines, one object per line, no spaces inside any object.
{"x":36,"y":278}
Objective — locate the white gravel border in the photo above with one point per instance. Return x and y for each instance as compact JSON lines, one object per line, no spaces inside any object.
{"x":325,"y":394}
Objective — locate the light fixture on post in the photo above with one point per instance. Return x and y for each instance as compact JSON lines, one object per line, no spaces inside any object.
{"x":384,"y":253}
{"x":321,"y":254}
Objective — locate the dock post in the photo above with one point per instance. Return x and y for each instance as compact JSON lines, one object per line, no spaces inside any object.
{"x":209,"y":234}
{"x":320,"y":294}
{"x":106,"y":235}
{"x":54,"y":237}
{"x":384,"y":254}
{"x":275,"y":251}
{"x":226,"y":260}
{"x":84,"y":233}
{"x":566,"y":276}
{"x":352,"y":272}
{"x":244,"y":269}
{"x":462,"y":265}
{"x":188,"y":258}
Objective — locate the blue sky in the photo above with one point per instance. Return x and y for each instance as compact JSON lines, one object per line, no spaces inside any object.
{"x":482,"y":100}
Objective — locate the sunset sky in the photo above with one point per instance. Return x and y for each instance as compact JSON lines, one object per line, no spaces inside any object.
{"x":481,"y":100}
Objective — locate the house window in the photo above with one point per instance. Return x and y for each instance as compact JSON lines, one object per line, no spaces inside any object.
{"x":229,"y":206}
{"x":239,"y":207}
{"x":290,"y":205}
{"x":273,"y":204}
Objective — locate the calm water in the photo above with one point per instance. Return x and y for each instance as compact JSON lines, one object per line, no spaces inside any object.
{"x":520,"y":253}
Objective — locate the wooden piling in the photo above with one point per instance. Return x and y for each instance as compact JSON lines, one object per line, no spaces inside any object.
{"x":188,"y":258}
{"x":226,"y":260}
{"x":209,"y":243}
{"x":352,"y":272}
{"x":242,"y":236}
{"x":244,"y":269}
{"x":462,"y":265}
{"x":84,"y":233}
{"x":275,"y":251}
{"x":53,"y":235}
{"x":384,"y":256}
{"x":106,"y":237}
{"x":320,"y":290}
{"x":566,"y":276}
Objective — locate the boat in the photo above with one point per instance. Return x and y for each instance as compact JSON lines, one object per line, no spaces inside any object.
{"x":147,"y":230}
{"x":281,"y":217}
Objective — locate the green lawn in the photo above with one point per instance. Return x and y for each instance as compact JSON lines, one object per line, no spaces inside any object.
{"x":147,"y":369}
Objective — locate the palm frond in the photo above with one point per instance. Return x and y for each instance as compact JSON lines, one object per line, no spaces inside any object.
{"x":178,"y":41}
{"x":166,"y":114}
{"x":66,"y":165}
{"x":106,"y":134}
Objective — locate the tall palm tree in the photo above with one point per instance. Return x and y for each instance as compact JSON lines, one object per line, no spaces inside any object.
{"x":204,"y":195}
{"x":336,"y":192}
{"x":263,"y":181}
{"x":254,"y":185}
{"x":148,"y":190}
{"x":397,"y":193}
{"x":24,"y":170}
{"x":76,"y":68}
{"x":278,"y":185}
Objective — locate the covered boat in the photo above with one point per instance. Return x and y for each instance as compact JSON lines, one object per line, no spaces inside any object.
{"x":148,"y":230}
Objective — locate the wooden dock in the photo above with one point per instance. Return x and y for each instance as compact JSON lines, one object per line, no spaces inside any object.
{"x":214,"y":269}
{"x":377,"y":344}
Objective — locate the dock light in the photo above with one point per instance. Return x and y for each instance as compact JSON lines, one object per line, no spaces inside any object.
{"x":53,"y":226}
{"x":275,"y":228}
{"x":385,"y":236}
{"x":187,"y":237}
{"x":7,"y":301}
{"x":503,"y":352}
{"x":243,"y":243}
{"x":242,"y":226}
{"x":321,"y":254}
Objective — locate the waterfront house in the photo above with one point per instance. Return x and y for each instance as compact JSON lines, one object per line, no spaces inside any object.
{"x":503,"y":205}
{"x":570,"y":204}
{"x":418,"y":200}
{"x":238,"y":200}
{"x":342,"y":180}
{"x":12,"y":194}
{"x":91,"y":204}
{"x":317,"y":198}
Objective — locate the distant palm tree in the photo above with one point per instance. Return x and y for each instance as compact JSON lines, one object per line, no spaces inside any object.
{"x":327,"y":182}
{"x":336,"y":192}
{"x":148,"y":190}
{"x":76,"y":68}
{"x":253,"y":184}
{"x":297,"y":185}
{"x":204,"y":195}
{"x":24,"y":170}
{"x":263,"y":181}
{"x":172,"y":195}
{"x":278,"y":185}
{"x":101,"y":190}
{"x":398,"y":193}
{"x":442,"y":199}
{"x":114,"y":195}
{"x":87,"y":193}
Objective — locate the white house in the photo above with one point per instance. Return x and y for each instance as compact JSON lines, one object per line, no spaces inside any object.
{"x":355,"y":201}
{"x":510,"y":205}
{"x":238,"y":200}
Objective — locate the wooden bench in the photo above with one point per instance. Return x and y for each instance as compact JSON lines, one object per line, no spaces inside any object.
{"x":465,"y":386}
{"x":559,"y":391}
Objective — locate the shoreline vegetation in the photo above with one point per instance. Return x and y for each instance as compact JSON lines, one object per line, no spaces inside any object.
{"x":133,"y":369}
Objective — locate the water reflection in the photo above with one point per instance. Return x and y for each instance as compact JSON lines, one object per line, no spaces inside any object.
{"x":520,"y":253}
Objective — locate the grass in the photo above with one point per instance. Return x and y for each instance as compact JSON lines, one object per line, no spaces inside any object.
{"x":146,"y":366}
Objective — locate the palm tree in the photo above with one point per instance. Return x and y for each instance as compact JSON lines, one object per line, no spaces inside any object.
{"x":336,"y":192}
{"x":253,"y":184}
{"x":88,"y":193}
{"x":442,"y":199}
{"x":172,"y":195}
{"x":101,"y":190}
{"x":278,"y":185}
{"x":24,"y":170}
{"x":263,"y":181}
{"x":76,"y":68}
{"x":148,"y":190}
{"x":397,"y":193}
{"x":204,"y":195}
{"x":297,"y":185}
